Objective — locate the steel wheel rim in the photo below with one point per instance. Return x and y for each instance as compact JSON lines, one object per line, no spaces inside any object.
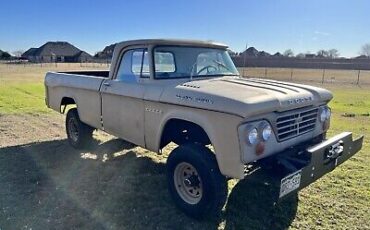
{"x":188,"y":184}
{"x":73,"y":129}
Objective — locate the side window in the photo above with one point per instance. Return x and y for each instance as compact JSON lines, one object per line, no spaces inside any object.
{"x":136,"y":58}
{"x":134,"y":63}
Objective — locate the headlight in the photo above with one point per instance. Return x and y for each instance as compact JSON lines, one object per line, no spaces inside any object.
{"x":253,"y":136}
{"x":266,"y":132}
{"x":325,"y":114}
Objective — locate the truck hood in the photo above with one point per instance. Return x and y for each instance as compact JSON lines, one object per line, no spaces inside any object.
{"x":244,"y":97}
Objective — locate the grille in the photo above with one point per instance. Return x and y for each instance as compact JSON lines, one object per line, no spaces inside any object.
{"x":295,"y":124}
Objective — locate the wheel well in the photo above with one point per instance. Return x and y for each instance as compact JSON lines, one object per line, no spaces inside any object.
{"x":65,"y":102}
{"x":181,"y":131}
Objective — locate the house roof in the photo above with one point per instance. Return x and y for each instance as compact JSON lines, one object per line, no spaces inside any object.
{"x":251,"y":51}
{"x":110,"y":48}
{"x":278,"y":54}
{"x":107,"y":52}
{"x":29,"y":52}
{"x":57,"y":49}
{"x":263,"y":54}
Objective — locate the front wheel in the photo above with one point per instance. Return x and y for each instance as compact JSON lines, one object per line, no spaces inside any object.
{"x":195,"y":182}
{"x":79,"y":134}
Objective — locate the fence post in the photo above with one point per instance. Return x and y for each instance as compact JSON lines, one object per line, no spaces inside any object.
{"x":244,"y":58}
{"x":265,"y":72}
{"x":358,"y":77}
{"x":323,"y":76}
{"x":291,"y":74}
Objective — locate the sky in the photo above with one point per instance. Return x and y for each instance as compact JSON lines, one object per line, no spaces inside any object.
{"x":270,"y":25}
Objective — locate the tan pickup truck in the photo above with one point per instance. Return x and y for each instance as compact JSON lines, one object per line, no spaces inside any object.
{"x":189,"y":93}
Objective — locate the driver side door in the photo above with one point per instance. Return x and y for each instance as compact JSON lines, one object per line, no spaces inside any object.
{"x":122,"y":98}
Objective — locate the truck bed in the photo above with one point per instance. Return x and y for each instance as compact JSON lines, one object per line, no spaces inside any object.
{"x":82,"y":87}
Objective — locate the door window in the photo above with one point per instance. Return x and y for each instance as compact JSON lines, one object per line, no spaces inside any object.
{"x":134,"y":64}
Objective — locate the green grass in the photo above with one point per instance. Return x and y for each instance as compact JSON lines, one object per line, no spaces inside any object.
{"x":351,"y":100}
{"x":22,"y":88}
{"x":19,"y":98}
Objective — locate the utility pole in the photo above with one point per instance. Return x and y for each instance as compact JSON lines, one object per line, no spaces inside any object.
{"x":245,"y":56}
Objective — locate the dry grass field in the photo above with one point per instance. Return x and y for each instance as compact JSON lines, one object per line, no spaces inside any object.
{"x":46,"y":184}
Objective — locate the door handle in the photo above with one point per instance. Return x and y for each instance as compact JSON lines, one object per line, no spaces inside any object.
{"x":106,"y":83}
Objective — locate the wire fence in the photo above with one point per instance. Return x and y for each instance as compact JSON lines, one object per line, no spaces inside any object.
{"x":323,"y":76}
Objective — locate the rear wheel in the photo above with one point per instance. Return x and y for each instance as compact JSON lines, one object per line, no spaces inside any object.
{"x":195,"y":182}
{"x":79,"y":134}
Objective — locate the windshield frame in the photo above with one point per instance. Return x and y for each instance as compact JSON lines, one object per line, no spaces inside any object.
{"x":188,"y":76}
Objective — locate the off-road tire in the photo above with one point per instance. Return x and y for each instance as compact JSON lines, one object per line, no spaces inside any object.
{"x":214,"y":184}
{"x":82,"y":133}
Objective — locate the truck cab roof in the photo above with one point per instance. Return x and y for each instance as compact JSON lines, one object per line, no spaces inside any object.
{"x":179,"y":42}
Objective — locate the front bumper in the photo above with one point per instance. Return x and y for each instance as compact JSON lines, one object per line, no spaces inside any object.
{"x":306,"y":166}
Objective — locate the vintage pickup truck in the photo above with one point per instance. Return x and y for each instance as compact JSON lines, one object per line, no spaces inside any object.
{"x":186,"y":92}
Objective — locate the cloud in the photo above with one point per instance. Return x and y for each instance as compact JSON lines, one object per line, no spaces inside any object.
{"x":321,"y":33}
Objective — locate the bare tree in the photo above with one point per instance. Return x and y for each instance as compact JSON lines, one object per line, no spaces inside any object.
{"x":333,"y":53}
{"x":322,"y":53}
{"x":365,"y":50}
{"x":288,"y":53}
{"x":18,"y":53}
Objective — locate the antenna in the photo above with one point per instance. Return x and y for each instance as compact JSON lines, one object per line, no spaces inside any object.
{"x":245,"y":56}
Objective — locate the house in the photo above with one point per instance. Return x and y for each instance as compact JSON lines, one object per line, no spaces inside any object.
{"x":263,"y":54}
{"x":29,"y":54}
{"x":107,"y":53}
{"x":57,"y":52}
{"x":251,"y":52}
{"x":278,"y":54}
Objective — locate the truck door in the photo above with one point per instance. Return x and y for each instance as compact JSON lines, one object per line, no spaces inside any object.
{"x":122,"y":97}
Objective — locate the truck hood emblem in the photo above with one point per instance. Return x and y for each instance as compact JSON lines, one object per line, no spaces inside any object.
{"x":300,"y":100}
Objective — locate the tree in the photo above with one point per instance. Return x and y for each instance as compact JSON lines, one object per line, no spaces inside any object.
{"x":322,"y":53}
{"x":365,"y":50}
{"x":333,"y":53}
{"x":288,"y":53}
{"x":18,"y":53}
{"x":4,"y":55}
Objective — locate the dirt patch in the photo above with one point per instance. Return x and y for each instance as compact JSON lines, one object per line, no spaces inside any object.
{"x":21,"y":129}
{"x":46,"y":184}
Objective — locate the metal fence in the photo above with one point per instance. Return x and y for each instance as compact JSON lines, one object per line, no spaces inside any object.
{"x":356,"y":77}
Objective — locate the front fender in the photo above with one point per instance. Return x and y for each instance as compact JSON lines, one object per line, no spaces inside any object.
{"x":221,"y":129}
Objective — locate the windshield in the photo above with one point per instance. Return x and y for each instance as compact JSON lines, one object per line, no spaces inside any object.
{"x":186,"y":62}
